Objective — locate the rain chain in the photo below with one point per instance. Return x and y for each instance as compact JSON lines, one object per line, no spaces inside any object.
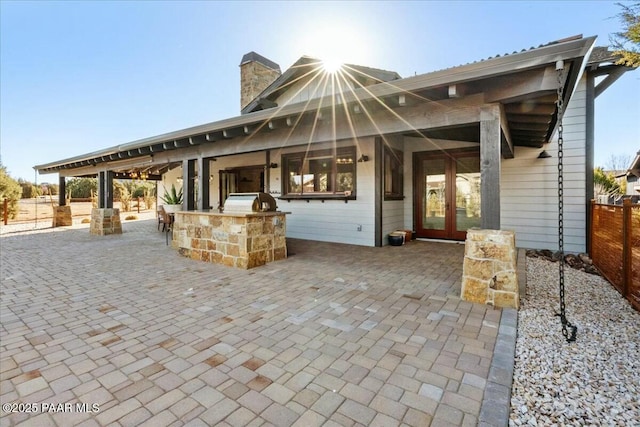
{"x":566,"y":325}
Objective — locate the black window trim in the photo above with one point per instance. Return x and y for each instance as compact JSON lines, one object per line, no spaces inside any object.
{"x":304,"y":155}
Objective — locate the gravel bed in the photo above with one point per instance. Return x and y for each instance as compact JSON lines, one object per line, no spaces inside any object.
{"x":592,"y":381}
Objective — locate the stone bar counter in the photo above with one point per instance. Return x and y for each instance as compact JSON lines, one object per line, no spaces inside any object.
{"x":242,"y":240}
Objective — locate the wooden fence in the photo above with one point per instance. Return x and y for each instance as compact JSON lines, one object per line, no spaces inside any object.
{"x":615,"y":246}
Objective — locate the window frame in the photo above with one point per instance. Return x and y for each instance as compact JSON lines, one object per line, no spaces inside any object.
{"x":393,"y":157}
{"x":304,"y":158}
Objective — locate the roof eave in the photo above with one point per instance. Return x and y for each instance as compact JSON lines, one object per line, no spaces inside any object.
{"x":574,"y":49}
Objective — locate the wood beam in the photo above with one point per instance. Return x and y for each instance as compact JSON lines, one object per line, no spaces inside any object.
{"x":456,"y":91}
{"x":490,"y":173}
{"x":609,"y":80}
{"x":506,"y":141}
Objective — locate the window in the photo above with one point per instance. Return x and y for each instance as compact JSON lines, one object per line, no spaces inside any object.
{"x":320,"y":173}
{"x":393,"y":174}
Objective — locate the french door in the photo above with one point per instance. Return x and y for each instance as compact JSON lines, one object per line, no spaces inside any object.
{"x":447,"y":194}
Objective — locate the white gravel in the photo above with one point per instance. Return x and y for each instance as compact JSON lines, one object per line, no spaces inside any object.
{"x":593,"y":381}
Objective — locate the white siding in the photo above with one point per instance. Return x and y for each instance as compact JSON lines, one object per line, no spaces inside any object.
{"x":332,"y":220}
{"x":529,"y":187}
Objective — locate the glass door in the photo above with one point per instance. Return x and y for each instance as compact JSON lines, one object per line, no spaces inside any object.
{"x":447,"y":194}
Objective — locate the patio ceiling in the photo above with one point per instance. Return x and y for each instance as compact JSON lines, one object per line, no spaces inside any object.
{"x":523,"y":83}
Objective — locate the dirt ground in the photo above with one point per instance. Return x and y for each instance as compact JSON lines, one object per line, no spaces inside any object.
{"x":42,"y":208}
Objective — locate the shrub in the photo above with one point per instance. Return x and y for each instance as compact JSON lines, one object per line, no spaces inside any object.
{"x":149,"y":200}
{"x":29,"y":191}
{"x":10,"y":190}
{"x":82,"y":188}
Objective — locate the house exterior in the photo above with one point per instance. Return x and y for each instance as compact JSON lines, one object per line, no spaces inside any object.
{"x":356,"y":154}
{"x":632,"y":175}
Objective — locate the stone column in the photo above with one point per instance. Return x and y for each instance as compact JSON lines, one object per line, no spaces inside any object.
{"x":62,"y":216}
{"x":489,"y":269}
{"x":105,"y":221}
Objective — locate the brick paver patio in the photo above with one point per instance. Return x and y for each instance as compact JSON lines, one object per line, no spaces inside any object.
{"x":335,"y":335}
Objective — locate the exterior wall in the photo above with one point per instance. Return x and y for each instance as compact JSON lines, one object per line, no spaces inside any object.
{"x":529,"y":187}
{"x":332,"y":220}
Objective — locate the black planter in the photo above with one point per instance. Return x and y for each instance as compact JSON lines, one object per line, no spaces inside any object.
{"x":395,"y":240}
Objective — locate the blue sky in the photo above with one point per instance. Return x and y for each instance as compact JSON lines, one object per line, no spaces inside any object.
{"x":78,"y":77}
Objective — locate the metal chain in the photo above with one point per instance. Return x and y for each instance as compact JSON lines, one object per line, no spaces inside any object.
{"x":566,"y":325}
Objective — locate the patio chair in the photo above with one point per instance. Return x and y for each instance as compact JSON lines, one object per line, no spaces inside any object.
{"x":163,"y":218}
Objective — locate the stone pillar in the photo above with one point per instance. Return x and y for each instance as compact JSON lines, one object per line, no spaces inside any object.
{"x":489,"y":269}
{"x":62,"y":216}
{"x":105,"y":221}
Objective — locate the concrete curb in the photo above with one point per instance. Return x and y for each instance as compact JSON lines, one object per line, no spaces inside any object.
{"x":497,"y":395}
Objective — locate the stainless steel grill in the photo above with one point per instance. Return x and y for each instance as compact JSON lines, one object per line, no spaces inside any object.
{"x":249,"y":203}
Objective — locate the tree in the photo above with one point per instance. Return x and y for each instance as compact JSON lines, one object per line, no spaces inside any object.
{"x":618,"y":163}
{"x":605,"y":183}
{"x":82,"y":188}
{"x":627,"y":42}
{"x":29,"y":190}
{"x":10,"y":190}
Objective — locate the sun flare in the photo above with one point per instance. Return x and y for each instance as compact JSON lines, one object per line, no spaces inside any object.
{"x":331,"y":65}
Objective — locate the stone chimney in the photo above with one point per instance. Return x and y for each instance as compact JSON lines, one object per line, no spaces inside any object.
{"x":256,"y":74}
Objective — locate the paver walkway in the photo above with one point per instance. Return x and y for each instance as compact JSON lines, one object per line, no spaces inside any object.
{"x":335,"y":335}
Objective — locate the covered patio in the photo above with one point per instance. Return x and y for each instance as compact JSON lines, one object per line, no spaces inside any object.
{"x":332,"y":335}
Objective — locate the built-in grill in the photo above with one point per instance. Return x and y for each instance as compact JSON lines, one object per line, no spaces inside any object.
{"x":249,"y":203}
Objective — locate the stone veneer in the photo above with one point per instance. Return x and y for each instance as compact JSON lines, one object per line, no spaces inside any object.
{"x":489,"y":269}
{"x":235,"y":240}
{"x":255,"y":77}
{"x":105,"y":221}
{"x":62,"y":216}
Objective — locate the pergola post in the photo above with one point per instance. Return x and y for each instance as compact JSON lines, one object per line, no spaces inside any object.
{"x":188,"y":179}
{"x":490,"y":168}
{"x":203,"y":184}
{"x":62,"y":191}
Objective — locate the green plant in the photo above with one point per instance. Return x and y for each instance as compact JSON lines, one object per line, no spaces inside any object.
{"x":172,"y":197}
{"x":11,"y":190}
{"x":149,"y":200}
{"x":121,"y":192}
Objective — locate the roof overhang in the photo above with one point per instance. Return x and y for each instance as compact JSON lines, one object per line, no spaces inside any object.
{"x":572,"y":51}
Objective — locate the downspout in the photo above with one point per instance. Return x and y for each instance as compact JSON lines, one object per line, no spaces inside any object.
{"x":379,"y":176}
{"x":589,"y":152}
